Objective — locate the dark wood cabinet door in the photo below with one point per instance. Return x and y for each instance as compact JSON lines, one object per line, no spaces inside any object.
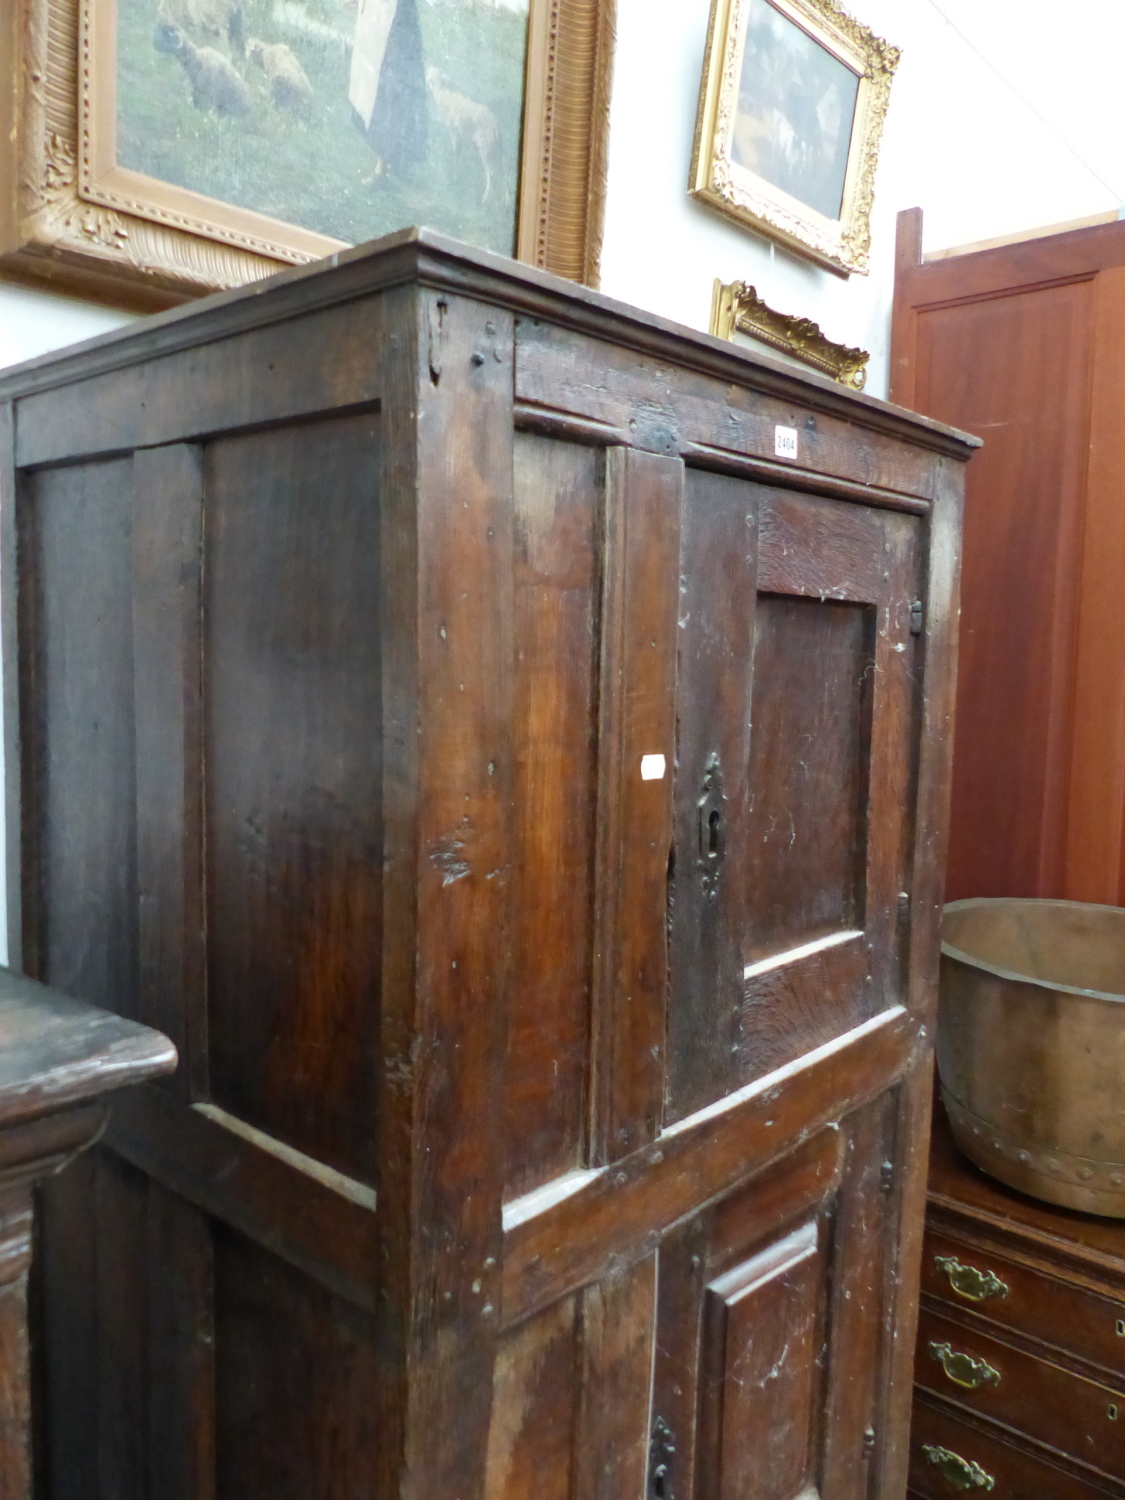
{"x":796,"y":718}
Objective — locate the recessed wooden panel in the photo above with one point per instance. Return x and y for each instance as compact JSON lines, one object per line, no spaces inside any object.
{"x":531,"y":1439}
{"x":1014,"y":369}
{"x":800,"y":1001}
{"x":761,"y":1379}
{"x":707,"y":876}
{"x":77,"y":714}
{"x":292,"y":744}
{"x":816,"y":548}
{"x":295,"y":1383}
{"x":809,"y":747}
{"x":557,"y":489}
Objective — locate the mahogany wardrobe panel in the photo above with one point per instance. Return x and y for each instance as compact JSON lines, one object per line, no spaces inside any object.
{"x":1024,"y":345}
{"x":522,"y":797}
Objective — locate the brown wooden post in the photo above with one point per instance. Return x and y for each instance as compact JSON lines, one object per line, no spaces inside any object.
{"x":57,"y":1058}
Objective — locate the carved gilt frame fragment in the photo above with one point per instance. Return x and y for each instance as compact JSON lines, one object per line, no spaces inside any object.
{"x":71,"y":217}
{"x":737,"y":308}
{"x":720,"y":175}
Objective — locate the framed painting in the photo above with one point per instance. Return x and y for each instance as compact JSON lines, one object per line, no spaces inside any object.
{"x":159,"y":149}
{"x":791,"y":110}
{"x":737,"y":311}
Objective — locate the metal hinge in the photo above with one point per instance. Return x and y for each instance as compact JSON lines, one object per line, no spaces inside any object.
{"x":917,"y":616}
{"x":661,"y":1452}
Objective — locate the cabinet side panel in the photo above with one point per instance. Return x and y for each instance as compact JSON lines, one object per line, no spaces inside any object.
{"x":295,"y":1383}
{"x":293,"y":755}
{"x":77,"y":723}
{"x":555,"y":577}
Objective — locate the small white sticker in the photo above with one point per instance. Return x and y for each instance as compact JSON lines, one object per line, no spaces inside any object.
{"x":785,"y":442}
{"x":652,"y":768}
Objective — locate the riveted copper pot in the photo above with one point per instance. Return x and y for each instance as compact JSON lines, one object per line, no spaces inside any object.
{"x":1031,"y":1045}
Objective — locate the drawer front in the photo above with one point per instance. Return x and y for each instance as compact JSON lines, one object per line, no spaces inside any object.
{"x":1077,"y":1416}
{"x":1083,"y":1323}
{"x":972,"y":1463}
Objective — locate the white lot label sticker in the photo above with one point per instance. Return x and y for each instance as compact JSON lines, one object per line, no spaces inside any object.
{"x":652,"y":768}
{"x":785,"y":442}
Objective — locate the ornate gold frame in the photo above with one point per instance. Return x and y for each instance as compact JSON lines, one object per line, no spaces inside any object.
{"x":71,"y":217}
{"x":737,"y":308}
{"x":841,"y":245}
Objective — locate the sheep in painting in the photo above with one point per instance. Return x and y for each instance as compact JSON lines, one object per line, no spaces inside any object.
{"x":215,"y":84}
{"x":468,"y":122}
{"x":288,"y":81}
{"x":209,"y":20}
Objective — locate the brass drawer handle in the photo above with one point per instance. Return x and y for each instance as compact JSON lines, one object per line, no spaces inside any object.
{"x":963,"y":1369}
{"x":968,"y":1282}
{"x":958,"y":1471}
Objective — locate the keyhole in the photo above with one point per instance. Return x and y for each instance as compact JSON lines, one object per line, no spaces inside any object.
{"x":1121,"y":1328}
{"x":658,"y":1482}
{"x":1112,"y":1413}
{"x":713,"y":835}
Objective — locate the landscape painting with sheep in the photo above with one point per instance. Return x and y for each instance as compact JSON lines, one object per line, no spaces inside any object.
{"x":347,"y":117}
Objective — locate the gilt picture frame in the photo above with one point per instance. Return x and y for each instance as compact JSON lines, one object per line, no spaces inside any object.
{"x":736,"y":309}
{"x":95,"y":203}
{"x":792,"y":102}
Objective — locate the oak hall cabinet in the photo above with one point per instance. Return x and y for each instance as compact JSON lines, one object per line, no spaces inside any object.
{"x":521,"y":795}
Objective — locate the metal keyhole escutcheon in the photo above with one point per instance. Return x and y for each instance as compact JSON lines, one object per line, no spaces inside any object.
{"x":712,"y":842}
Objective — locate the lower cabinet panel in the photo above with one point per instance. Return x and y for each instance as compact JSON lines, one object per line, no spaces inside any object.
{"x":296,"y":1400}
{"x":714,"y":1366}
{"x":761,"y":1368}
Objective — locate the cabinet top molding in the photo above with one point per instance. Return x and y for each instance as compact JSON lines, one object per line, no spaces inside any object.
{"x":434,"y":261}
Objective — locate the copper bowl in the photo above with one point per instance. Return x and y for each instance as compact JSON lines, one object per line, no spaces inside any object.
{"x":1031,"y":1045}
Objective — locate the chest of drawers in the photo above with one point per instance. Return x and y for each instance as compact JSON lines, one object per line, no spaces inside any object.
{"x":1020,"y":1363}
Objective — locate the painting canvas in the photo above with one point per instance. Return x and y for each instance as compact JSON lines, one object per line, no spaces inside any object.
{"x":796,"y":106}
{"x":791,"y":109}
{"x":348,"y":118}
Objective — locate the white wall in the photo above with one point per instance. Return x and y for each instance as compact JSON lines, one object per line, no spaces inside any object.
{"x":959,"y":142}
{"x":35,"y":322}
